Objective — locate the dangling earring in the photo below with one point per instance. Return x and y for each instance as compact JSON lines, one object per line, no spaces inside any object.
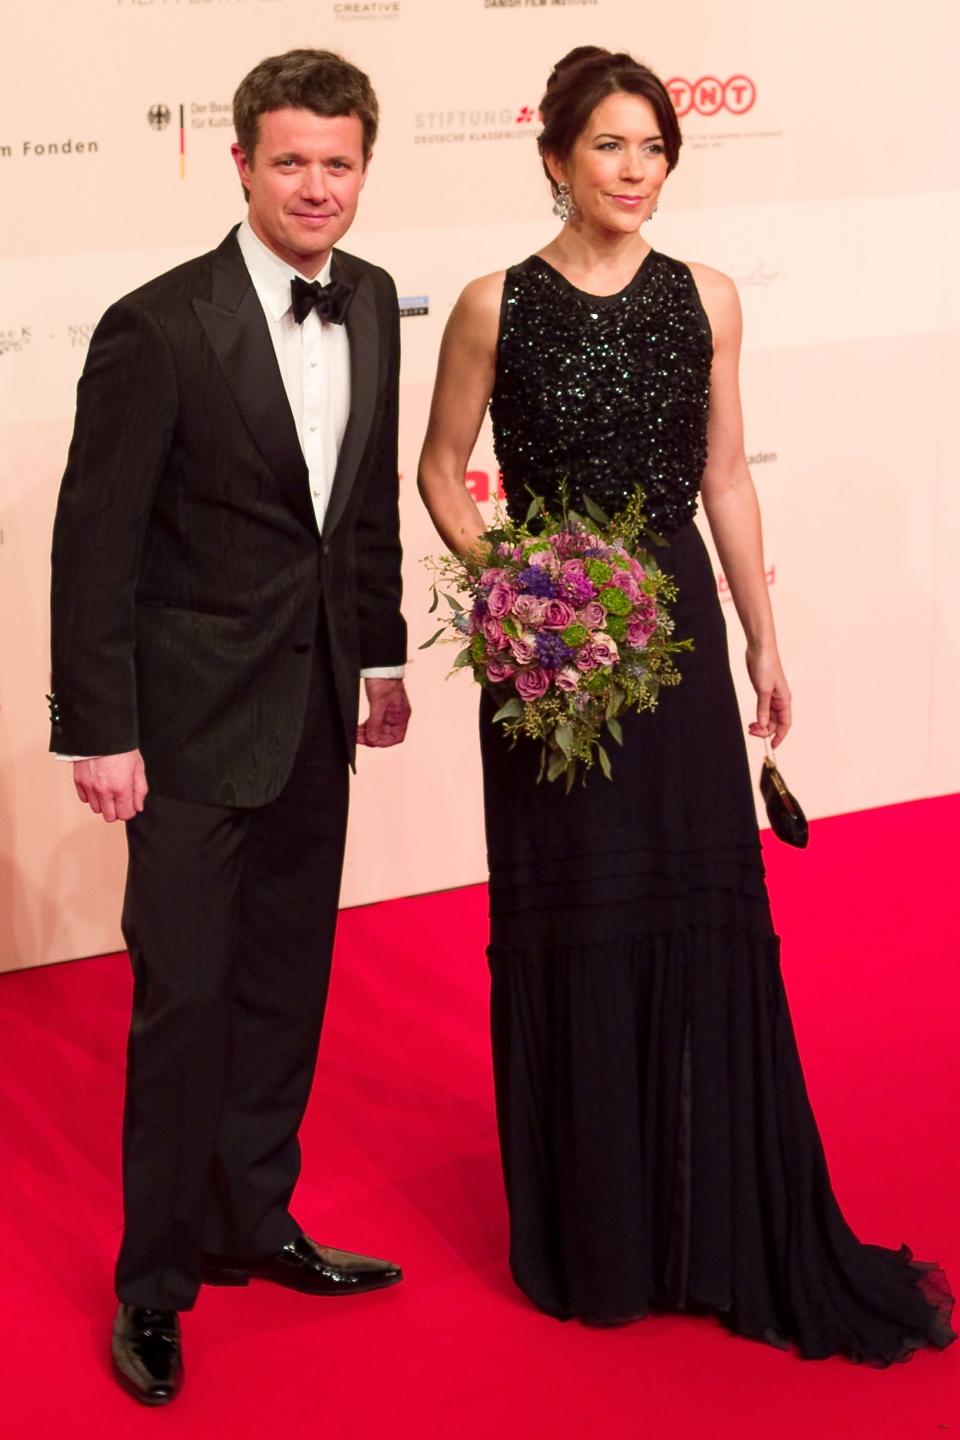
{"x":563,"y":205}
{"x":652,"y":213}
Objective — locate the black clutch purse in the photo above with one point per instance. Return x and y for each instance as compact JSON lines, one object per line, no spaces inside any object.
{"x":787,"y":820}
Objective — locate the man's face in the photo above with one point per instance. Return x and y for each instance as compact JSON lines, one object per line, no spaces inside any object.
{"x":304,"y":179}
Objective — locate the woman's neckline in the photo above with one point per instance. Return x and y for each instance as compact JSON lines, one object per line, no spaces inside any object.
{"x":589,"y":294}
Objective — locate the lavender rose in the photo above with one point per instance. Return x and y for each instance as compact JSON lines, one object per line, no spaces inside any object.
{"x":559,"y":615}
{"x":638,"y":632}
{"x":624,"y":581}
{"x":532,"y":683}
{"x":528,"y":609}
{"x":493,"y":630}
{"x":500,"y":599}
{"x":592,"y":615}
{"x":499,"y":670}
{"x":568,"y":678}
{"x":604,"y":651}
{"x":584,"y":660}
{"x":523,"y":649}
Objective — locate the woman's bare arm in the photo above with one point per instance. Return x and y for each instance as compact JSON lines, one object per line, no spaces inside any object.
{"x":730,"y":503}
{"x":463,"y":387}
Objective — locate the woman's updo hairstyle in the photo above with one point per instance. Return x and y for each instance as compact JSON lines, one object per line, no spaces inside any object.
{"x":576,"y":87}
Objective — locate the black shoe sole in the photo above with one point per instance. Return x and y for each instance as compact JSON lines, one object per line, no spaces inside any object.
{"x":224,"y":1275}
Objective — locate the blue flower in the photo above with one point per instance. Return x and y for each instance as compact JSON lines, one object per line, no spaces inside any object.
{"x":552,"y":653}
{"x":535,"y":581}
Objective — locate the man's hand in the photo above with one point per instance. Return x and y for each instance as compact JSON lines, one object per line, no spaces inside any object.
{"x":386,"y":724}
{"x":114,"y":786}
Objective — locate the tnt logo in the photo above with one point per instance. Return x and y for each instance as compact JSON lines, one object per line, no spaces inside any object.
{"x":708,"y":95}
{"x":526,"y":115}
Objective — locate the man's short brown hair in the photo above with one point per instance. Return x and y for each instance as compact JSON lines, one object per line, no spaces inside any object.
{"x":316,"y":80}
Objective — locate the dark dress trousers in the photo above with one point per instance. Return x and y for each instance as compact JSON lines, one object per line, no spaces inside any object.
{"x":198,"y":615}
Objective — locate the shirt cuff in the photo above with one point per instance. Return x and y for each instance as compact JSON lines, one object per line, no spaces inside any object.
{"x":383,"y":672}
{"x":76,"y":757}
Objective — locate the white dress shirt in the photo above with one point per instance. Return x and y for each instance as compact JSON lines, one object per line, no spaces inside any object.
{"x":314,"y":361}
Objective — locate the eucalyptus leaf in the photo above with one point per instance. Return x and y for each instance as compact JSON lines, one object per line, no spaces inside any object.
{"x":535,"y":508}
{"x":594,"y":511}
{"x":604,"y":759}
{"x":462,"y":659}
{"x":436,"y":599}
{"x":563,"y":736}
{"x":615,"y":728}
{"x":558,"y":764}
{"x":453,"y":602}
{"x":511,"y":710}
{"x":432,"y":641}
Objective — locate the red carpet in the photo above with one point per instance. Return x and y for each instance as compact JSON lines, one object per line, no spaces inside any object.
{"x":401,"y":1160}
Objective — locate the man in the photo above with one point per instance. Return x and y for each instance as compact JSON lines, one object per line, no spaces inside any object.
{"x":226,"y":563}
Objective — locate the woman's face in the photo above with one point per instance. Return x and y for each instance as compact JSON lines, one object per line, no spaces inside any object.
{"x":617,"y":166}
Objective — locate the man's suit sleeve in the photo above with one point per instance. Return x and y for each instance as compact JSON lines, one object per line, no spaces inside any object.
{"x":126,"y":410}
{"x":382,"y":629}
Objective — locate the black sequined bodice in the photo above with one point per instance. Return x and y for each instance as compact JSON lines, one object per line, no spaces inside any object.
{"x":603,"y":393}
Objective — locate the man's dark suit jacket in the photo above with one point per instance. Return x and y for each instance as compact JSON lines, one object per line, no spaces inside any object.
{"x":187,"y":566}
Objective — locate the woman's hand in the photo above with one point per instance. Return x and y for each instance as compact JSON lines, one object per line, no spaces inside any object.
{"x":774,"y":715}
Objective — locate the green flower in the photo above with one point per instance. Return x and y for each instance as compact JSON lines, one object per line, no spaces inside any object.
{"x":599,"y":571}
{"x":575,"y":636}
{"x":478,"y":649}
{"x":616,"y":627}
{"x":614,"y":601}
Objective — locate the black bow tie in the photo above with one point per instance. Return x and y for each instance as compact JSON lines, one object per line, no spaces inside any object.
{"x":329,"y":301}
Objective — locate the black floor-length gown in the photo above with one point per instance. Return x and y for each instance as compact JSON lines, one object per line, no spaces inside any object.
{"x":658,"y":1145}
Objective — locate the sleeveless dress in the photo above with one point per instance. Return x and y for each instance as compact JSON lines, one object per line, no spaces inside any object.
{"x":658,"y":1146}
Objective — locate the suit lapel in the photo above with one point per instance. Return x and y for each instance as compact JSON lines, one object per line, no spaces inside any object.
{"x":234,"y":324}
{"x":363,"y":335}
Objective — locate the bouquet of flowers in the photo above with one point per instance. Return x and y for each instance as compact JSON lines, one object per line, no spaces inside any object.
{"x":566,"y":625}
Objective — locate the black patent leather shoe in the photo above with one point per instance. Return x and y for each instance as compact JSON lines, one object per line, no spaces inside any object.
{"x":146,"y":1353}
{"x":305,"y":1265}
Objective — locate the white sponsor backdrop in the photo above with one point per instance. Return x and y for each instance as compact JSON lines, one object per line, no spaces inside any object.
{"x":819,"y":170}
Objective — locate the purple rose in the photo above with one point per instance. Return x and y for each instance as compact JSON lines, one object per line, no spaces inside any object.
{"x":559,"y":615}
{"x":500,"y":599}
{"x":592,"y":615}
{"x":493,"y":630}
{"x":492,"y":576}
{"x":528,"y":609}
{"x":523,"y":650}
{"x":499,"y":670}
{"x":604,"y":651}
{"x":567,"y":679}
{"x":532,"y":683}
{"x":584,"y":658}
{"x":572,"y":567}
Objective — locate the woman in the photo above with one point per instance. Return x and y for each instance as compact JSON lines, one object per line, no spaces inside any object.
{"x":658,"y":1145}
